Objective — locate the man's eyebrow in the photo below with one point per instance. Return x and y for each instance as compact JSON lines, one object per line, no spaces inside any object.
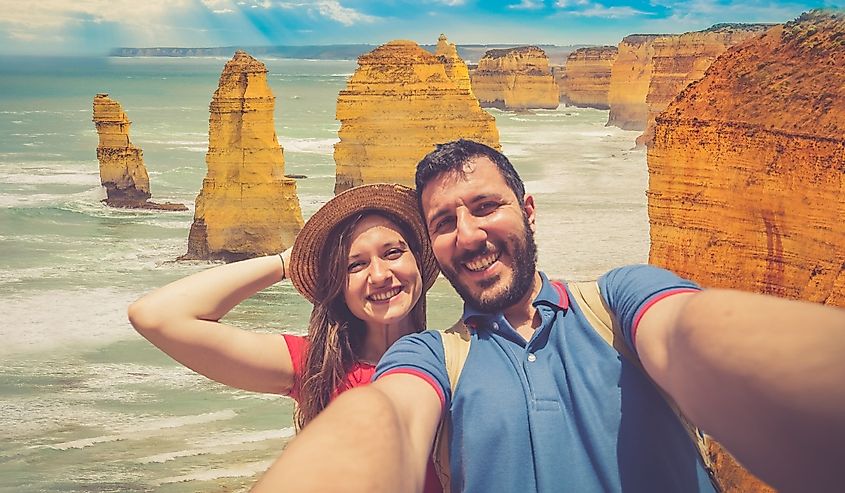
{"x":482,"y":197}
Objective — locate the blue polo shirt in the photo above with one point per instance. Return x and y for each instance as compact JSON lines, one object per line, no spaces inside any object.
{"x":562,"y":411}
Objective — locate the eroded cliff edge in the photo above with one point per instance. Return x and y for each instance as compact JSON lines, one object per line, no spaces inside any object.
{"x":515,"y":79}
{"x":399,"y":103}
{"x":747,"y":168}
{"x":247,"y":207}
{"x":679,"y":60}
{"x":122,"y":170}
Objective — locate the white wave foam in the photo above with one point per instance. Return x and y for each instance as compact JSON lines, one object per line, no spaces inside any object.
{"x":246,"y":470}
{"x":178,"y":142}
{"x":143,"y":430}
{"x":309,"y":146}
{"x":53,"y":178}
{"x":43,"y":321}
{"x":91,"y":197}
{"x":217,"y":446}
{"x":253,"y":437}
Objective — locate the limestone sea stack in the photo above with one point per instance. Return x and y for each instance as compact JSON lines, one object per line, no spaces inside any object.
{"x":122,"y":170}
{"x":398,"y":104}
{"x":247,"y":207}
{"x":629,"y":80}
{"x":515,"y":79}
{"x":747,"y":168}
{"x":585,"y":79}
{"x":680,"y":60}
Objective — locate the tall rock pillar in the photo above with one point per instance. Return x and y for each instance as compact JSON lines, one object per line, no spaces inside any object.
{"x":247,"y":207}
{"x":122,"y":170}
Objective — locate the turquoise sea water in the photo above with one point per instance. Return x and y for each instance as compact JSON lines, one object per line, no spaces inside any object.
{"x":86,"y":404}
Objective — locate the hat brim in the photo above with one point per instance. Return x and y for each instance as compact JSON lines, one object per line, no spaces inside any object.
{"x":397,"y":201}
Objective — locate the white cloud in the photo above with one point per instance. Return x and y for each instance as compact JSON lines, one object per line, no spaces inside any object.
{"x":562,"y":4}
{"x":599,"y":10}
{"x":451,"y":3}
{"x":700,"y":14}
{"x":331,"y":9}
{"x":527,"y":5}
{"x":55,"y":14}
{"x":337,"y":12}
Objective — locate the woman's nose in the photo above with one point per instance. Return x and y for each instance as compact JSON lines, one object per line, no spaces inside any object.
{"x":379,"y":272}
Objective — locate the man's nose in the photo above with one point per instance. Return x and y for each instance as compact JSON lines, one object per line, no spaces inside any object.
{"x":470,"y":235}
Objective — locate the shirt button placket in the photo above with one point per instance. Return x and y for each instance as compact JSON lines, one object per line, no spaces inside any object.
{"x":531,"y":357}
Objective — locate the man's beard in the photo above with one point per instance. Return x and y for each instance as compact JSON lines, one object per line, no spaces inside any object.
{"x":523,"y":252}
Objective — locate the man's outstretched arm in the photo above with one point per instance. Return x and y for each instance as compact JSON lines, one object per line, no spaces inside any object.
{"x":375,"y":438}
{"x":763,"y":375}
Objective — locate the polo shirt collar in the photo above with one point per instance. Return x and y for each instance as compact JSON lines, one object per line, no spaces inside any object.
{"x":551,"y":294}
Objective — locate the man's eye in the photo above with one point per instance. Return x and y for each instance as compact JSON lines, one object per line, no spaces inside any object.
{"x":487,"y":207}
{"x":444,"y":225}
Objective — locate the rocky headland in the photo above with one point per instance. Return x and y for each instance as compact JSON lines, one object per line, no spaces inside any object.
{"x":122,"y":170}
{"x":747,"y":168}
{"x":399,"y":103}
{"x":247,"y":207}
{"x":585,"y":79}
{"x":680,"y":60}
{"x":515,"y":79}
{"x":747,"y":175}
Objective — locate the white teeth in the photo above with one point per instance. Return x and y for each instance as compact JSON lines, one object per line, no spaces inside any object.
{"x":482,"y":263}
{"x":385,"y":295}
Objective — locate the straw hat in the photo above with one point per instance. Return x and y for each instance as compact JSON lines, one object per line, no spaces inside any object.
{"x":396,"y":201}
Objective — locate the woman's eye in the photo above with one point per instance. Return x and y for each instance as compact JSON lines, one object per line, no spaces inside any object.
{"x":355,"y":266}
{"x":393,"y":253}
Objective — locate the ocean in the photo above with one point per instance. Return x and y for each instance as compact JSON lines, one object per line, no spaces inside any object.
{"x":86,"y":404}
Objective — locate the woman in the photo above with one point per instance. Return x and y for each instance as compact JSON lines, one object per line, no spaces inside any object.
{"x":363,"y":260}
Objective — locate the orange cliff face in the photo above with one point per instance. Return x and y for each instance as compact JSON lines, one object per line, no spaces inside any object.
{"x":747,"y":168}
{"x":399,"y":103}
{"x":515,"y":79}
{"x":247,"y":207}
{"x":585,"y":79}
{"x":629,"y":80}
{"x":680,"y":60}
{"x":122,"y":170}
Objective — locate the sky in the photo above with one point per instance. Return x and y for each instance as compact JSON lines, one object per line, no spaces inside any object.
{"x":92,"y":27}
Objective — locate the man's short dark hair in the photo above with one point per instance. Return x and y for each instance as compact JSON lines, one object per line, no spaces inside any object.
{"x":451,"y":158}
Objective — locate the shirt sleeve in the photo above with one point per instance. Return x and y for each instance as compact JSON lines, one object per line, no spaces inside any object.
{"x":420,"y":355}
{"x":630,"y":291}
{"x":297,"y":347}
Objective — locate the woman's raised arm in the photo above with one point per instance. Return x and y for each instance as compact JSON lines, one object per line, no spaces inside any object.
{"x":181,"y":319}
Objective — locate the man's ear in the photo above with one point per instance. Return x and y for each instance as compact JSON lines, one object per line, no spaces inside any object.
{"x":530,"y":212}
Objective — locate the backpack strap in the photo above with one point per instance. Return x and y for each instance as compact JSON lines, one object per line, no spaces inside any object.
{"x":587,"y":296}
{"x":456,"y":342}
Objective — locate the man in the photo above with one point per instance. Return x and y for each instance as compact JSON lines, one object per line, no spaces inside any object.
{"x":544,"y":404}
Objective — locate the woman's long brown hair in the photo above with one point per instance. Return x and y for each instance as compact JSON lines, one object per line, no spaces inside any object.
{"x":335,"y":336}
